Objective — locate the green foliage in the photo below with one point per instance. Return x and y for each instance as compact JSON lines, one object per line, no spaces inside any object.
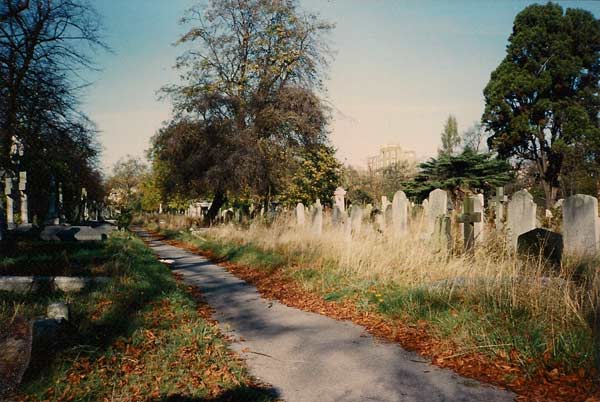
{"x":248,"y":104}
{"x":542,"y":100}
{"x":450,"y":137}
{"x":469,"y":171}
{"x":394,"y":177}
{"x":317,"y":176}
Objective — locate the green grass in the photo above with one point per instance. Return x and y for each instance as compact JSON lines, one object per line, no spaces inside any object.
{"x":139,"y":338}
{"x":472,"y":321}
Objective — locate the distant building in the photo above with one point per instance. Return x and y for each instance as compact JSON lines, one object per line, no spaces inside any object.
{"x":390,"y":155}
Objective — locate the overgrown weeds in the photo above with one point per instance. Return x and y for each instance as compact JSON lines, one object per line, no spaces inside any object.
{"x":523,"y":310}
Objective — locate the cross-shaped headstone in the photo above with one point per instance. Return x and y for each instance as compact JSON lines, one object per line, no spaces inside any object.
{"x":469,"y":218}
{"x":499,"y":201}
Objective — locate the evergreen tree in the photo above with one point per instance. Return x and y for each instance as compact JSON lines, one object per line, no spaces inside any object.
{"x":468,"y":172}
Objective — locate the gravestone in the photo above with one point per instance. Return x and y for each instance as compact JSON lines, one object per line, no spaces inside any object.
{"x":438,"y":205}
{"x":10,"y":206}
{"x":24,"y":201}
{"x":368,"y":211}
{"x":338,"y":197}
{"x":356,"y":215}
{"x":400,"y":213}
{"x":499,"y":200}
{"x":52,"y":217}
{"x":469,"y":218}
{"x":388,"y":217}
{"x":337,"y":216}
{"x":478,"y":227}
{"x":384,"y":202}
{"x":317,"y":218}
{"x":442,"y":233}
{"x":541,"y":243}
{"x":300,"y":214}
{"x":15,"y":355}
{"x":380,"y":221}
{"x":521,"y":215}
{"x":580,"y":225}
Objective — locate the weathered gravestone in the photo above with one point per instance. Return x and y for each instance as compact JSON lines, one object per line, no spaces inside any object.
{"x":10,"y":206}
{"x":478,"y":227}
{"x":356,"y":215}
{"x":442,"y":234}
{"x":338,"y":198}
{"x":438,"y":205}
{"x":317,"y":218}
{"x":580,"y":225}
{"x":338,"y":217}
{"x":384,"y":202}
{"x":469,"y":218}
{"x":15,"y":354}
{"x":541,"y":243}
{"x":388,"y":217}
{"x":300,"y":214}
{"x":400,"y":213}
{"x":499,"y":200}
{"x":521,"y":215}
{"x":24,"y":201}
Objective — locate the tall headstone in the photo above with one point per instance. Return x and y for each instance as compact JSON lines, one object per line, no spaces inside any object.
{"x":338,"y":197}
{"x":438,"y":205}
{"x":499,"y":200}
{"x":356,"y":215}
{"x":61,"y":213}
{"x":478,"y":227}
{"x":469,"y":218}
{"x":388,"y":217}
{"x":24,"y":201}
{"x":10,"y":206}
{"x":300,"y":214}
{"x":521,"y":215}
{"x":400,"y":213}
{"x":52,"y":217}
{"x":84,"y":203}
{"x":581,"y":225}
{"x":317,"y":218}
{"x":337,"y":216}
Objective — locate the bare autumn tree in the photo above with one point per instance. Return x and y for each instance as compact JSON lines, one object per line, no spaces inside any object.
{"x":250,"y":78}
{"x":45,"y":45}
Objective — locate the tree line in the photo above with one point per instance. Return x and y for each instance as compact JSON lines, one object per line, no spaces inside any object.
{"x":45,"y":47}
{"x":250,"y":121}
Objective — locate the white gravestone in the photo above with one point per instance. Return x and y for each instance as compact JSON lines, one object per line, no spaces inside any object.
{"x":300,"y":214}
{"x":521,"y":215}
{"x":400,"y":213}
{"x":580,"y":225}
{"x":384,"y":202}
{"x":438,"y":205}
{"x":338,"y":197}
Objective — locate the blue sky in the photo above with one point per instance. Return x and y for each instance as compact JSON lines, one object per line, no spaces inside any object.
{"x":400,"y":68}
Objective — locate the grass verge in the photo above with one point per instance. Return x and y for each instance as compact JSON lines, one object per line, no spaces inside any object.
{"x":144,"y":337}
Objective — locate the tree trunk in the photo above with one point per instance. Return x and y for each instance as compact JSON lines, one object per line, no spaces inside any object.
{"x":217,"y":203}
{"x":550,"y":192}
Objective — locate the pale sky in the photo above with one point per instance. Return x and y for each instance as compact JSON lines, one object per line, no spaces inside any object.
{"x":400,"y":68}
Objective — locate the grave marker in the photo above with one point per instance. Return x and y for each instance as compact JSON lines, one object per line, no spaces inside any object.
{"x":521,"y":215}
{"x":580,"y":225}
{"x":469,"y":218}
{"x":499,"y":200}
{"x":300,"y":214}
{"x":400,"y":213}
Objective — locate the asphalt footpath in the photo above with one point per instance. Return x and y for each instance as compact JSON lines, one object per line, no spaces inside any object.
{"x":308,"y":357}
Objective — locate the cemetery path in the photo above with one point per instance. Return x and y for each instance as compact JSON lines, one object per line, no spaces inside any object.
{"x":309,"y":357}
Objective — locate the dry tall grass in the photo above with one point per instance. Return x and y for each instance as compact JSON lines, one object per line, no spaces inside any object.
{"x":494,"y":275}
